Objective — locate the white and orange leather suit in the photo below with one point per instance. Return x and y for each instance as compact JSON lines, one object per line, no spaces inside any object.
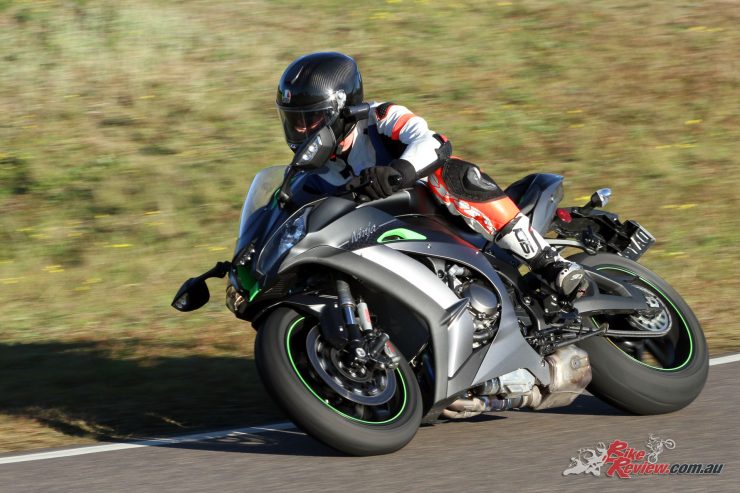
{"x":392,"y":133}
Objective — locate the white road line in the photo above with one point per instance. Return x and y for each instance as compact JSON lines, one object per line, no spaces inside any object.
{"x":724,"y":359}
{"x":94,"y":449}
{"x":255,"y":430}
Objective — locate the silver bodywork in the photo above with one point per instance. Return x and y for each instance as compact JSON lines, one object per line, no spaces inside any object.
{"x":448,"y":320}
{"x":458,"y":325}
{"x":509,"y":350}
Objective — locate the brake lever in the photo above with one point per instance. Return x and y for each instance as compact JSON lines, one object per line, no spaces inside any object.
{"x":354,"y":189}
{"x":356,"y":183}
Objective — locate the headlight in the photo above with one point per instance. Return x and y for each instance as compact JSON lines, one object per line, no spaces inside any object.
{"x":283,"y":240}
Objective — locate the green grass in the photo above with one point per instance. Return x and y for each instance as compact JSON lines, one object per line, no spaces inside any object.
{"x":130,"y":130}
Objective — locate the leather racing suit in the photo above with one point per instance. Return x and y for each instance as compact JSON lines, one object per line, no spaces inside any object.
{"x":394,"y":136}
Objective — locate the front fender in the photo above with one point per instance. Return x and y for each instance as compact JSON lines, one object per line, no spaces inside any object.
{"x":309,"y":304}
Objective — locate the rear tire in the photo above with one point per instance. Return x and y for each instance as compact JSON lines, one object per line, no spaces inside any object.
{"x":647,"y":386}
{"x":317,"y":409}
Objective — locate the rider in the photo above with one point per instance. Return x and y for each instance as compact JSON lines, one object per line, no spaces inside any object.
{"x":393,"y":148}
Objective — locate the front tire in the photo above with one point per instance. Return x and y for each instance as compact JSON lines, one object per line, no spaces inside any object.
{"x":648,"y":376}
{"x":287,"y":371}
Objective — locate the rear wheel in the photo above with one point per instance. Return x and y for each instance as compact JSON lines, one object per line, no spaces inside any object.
{"x":650,"y":375}
{"x":355,"y":410}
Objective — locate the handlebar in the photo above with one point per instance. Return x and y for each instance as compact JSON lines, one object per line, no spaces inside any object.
{"x":357,"y":112}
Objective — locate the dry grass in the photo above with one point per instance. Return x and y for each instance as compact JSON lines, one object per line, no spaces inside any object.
{"x":130,"y":131}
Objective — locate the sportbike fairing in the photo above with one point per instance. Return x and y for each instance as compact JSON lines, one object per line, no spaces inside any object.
{"x":370,"y":243}
{"x":357,"y":244}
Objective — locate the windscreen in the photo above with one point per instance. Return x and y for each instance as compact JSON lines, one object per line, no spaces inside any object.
{"x":260,"y":192}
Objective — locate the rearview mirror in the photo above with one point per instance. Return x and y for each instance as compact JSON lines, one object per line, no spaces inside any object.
{"x":600,"y":197}
{"x":316,"y":150}
{"x":192,"y":295}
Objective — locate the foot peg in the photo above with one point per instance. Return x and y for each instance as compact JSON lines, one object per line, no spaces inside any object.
{"x":571,"y":280}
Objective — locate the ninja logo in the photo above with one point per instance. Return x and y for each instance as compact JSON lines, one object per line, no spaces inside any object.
{"x":363,"y":233}
{"x":523,"y":241}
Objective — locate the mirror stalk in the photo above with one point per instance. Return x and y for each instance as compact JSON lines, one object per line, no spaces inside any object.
{"x":284,"y":194}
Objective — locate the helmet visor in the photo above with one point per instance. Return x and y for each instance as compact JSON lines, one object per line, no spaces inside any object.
{"x":299,"y":124}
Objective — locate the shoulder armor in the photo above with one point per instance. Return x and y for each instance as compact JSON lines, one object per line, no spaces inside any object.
{"x":381,"y":111}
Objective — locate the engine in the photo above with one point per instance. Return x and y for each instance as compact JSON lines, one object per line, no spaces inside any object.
{"x":570,"y":370}
{"x":570,"y":373}
{"x":483,"y":303}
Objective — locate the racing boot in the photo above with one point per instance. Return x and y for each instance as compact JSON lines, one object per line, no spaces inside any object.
{"x":566,"y":277}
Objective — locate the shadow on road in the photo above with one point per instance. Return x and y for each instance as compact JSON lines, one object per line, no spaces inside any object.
{"x":79,"y":389}
{"x":293,"y":443}
{"x":585,"y":405}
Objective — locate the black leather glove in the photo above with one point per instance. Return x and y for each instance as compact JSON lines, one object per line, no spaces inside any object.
{"x":381,"y":181}
{"x":408,"y":173}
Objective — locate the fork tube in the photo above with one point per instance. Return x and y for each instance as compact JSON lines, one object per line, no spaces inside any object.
{"x":347,"y":303}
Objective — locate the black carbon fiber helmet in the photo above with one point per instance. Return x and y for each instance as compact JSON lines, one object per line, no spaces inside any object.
{"x":313,"y":90}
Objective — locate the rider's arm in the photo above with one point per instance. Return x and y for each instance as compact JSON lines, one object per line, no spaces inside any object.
{"x":420,"y":156}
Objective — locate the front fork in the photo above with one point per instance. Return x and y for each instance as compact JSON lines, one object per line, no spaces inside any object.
{"x":353,"y":332}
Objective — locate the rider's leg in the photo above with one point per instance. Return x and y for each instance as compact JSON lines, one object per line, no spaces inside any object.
{"x":527,"y":243}
{"x":488,"y":210}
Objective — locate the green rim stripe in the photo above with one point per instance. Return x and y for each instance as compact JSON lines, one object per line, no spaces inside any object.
{"x":290,"y":357}
{"x":680,"y":315}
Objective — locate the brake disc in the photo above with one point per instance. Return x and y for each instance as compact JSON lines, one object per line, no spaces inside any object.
{"x":371,"y":387}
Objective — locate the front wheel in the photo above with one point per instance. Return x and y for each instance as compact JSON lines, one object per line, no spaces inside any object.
{"x":356,"y":411}
{"x":650,"y":375}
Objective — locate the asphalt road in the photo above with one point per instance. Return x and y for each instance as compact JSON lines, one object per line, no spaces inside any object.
{"x":511,"y":451}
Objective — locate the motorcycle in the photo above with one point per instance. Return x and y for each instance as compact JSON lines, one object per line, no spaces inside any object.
{"x":375,"y":316}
